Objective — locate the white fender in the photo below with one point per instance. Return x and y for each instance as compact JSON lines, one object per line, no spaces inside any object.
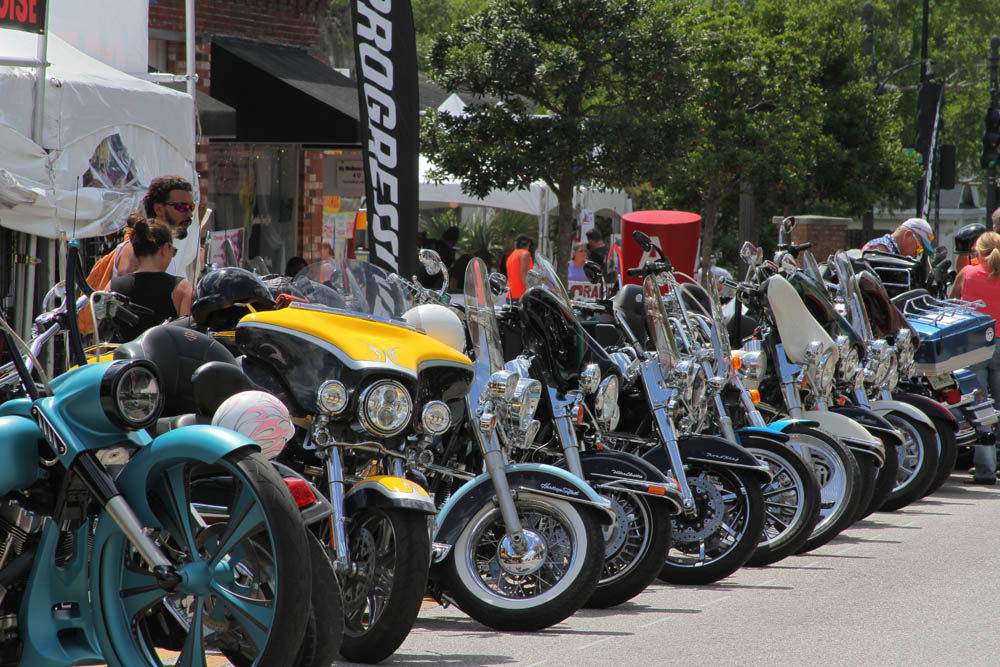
{"x":882,"y":407}
{"x":842,"y":427}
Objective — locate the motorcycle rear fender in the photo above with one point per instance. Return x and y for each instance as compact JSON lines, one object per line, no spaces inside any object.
{"x":388,"y":491}
{"x":535,"y":477}
{"x":854,"y":435}
{"x":772,"y":432}
{"x":929,"y":407}
{"x":710,"y":449}
{"x":207,"y":444}
{"x":19,"y":453}
{"x":627,"y":472}
{"x":876,"y":424}
{"x":882,"y":407}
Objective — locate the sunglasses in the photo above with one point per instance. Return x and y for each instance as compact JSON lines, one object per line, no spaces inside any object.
{"x":181,"y":206}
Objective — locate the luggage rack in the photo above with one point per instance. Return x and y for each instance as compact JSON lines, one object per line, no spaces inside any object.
{"x":940,"y":312}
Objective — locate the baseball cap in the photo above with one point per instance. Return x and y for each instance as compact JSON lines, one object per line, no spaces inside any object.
{"x":923,"y":232}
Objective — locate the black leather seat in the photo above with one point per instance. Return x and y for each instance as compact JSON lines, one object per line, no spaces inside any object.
{"x":629,"y":303}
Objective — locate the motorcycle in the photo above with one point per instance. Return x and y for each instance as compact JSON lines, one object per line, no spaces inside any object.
{"x":108,"y":532}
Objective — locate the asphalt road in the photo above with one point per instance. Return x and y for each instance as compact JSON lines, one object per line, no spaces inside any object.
{"x":915,"y":587}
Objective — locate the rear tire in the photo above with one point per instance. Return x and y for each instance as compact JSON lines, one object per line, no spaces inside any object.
{"x":918,"y":461}
{"x":947,"y":454}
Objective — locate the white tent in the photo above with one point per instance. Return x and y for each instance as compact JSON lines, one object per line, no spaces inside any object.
{"x":104,"y":136}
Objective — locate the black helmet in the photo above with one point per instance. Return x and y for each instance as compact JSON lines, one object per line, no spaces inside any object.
{"x":965,"y":238}
{"x":216,"y":300}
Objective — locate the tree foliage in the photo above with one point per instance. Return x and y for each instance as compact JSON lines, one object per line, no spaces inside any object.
{"x":591,"y":91}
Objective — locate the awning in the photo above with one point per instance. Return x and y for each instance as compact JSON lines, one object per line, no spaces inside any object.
{"x":217,"y":119}
{"x":283,"y":94}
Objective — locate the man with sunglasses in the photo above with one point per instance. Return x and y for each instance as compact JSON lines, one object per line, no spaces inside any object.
{"x":169,"y":199}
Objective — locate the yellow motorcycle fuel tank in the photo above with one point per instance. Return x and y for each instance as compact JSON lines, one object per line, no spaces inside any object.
{"x":308,"y":345}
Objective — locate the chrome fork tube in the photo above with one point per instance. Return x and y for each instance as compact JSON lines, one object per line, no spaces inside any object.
{"x":335,"y":480}
{"x":496,"y":467}
{"x":666,"y":427}
{"x":756,"y":419}
{"x":725,"y":423}
{"x":571,"y":449}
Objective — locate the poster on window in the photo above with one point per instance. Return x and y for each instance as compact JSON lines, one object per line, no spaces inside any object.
{"x":223,"y":254}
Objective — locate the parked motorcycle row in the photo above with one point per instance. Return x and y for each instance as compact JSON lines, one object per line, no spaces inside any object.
{"x":290,"y":471}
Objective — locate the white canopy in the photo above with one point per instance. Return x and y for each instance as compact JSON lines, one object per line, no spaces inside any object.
{"x":45,"y":188}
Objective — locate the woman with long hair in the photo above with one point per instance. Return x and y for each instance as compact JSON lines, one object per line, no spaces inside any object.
{"x":981,"y":281}
{"x":163,"y":295}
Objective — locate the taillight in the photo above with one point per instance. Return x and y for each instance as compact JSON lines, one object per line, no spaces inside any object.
{"x":952,"y":395}
{"x":303,"y":495}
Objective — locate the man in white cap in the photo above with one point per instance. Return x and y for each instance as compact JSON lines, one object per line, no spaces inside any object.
{"x":910,"y":238}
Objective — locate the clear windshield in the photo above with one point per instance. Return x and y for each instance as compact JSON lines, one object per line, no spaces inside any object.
{"x":481,"y":320}
{"x":543,"y":274}
{"x":352,"y":285}
{"x":659,"y":326}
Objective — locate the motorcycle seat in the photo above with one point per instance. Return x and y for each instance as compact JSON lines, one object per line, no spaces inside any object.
{"x":629,"y":303}
{"x":165,"y":424}
{"x":901,"y":299}
{"x":796,"y":325}
{"x":177,"y":353}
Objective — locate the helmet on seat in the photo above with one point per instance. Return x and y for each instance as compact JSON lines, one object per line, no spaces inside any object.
{"x":965,"y":237}
{"x":222,"y":296}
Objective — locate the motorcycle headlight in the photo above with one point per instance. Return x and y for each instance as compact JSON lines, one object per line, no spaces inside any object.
{"x":699,"y":392}
{"x":684,"y":373}
{"x":606,"y":400}
{"x":503,"y":384}
{"x":435,"y":417}
{"x":590,"y":378}
{"x":385,"y":408}
{"x":884,"y":354}
{"x":906,"y":347}
{"x":332,"y":397}
{"x":527,"y":393}
{"x":892,"y":375}
{"x":850,"y":364}
{"x":130,"y":393}
{"x":827,"y":368}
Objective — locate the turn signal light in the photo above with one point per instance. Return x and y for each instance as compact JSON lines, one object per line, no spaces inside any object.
{"x":657,"y":490}
{"x":579,"y":414}
{"x":737,"y":362}
{"x":754,"y":396}
{"x":301,"y":493}
{"x":841,"y":401}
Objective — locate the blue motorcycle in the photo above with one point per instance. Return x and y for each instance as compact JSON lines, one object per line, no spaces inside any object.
{"x":120,"y":548}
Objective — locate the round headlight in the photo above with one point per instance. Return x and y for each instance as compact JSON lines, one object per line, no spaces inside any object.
{"x":332,"y":397}
{"x":590,"y":378}
{"x":850,"y":364}
{"x":827,"y":368}
{"x":684,"y":373}
{"x":436,"y":417}
{"x":130,"y":393}
{"x":503,"y":384}
{"x":614,"y":419}
{"x":606,"y":400}
{"x":385,"y":408}
{"x":522,"y":407}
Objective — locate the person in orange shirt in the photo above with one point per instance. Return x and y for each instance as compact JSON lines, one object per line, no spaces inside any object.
{"x":518,"y":264}
{"x":975,"y":282}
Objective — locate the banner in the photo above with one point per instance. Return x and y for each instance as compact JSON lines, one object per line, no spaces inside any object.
{"x":386,"y":55}
{"x":26,"y":15}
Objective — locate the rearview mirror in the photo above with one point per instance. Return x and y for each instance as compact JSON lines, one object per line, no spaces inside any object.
{"x":431,"y":261}
{"x":643,"y":240}
{"x":593,"y":271}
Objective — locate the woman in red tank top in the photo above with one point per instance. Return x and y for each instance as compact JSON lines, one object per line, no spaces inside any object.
{"x":975,"y":282}
{"x":518,"y":264}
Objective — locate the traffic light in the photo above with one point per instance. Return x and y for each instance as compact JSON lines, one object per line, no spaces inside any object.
{"x":991,"y":139}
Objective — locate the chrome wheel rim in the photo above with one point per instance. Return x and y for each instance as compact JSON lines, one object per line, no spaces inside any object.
{"x":910,"y":453}
{"x":783,"y":497}
{"x":831,"y":475}
{"x":366,"y":593}
{"x":628,"y":540}
{"x":723,"y":512}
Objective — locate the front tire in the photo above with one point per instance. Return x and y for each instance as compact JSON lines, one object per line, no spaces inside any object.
{"x":725,"y":531}
{"x":634,"y":548}
{"x":947,"y":454}
{"x":392,"y":550}
{"x":526,"y":596}
{"x":918,"y":461}
{"x":234,"y":533}
{"x":791,"y":502}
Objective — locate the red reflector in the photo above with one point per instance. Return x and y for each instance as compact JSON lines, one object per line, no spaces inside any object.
{"x":952,"y":395}
{"x":657,"y":490}
{"x":301,"y":492}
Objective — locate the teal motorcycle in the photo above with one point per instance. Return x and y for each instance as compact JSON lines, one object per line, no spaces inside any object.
{"x":123,"y":549}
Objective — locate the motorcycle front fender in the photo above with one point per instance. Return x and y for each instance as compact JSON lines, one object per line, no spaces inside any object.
{"x":710,"y":449}
{"x":876,"y":424}
{"x":771,"y":432}
{"x":610,"y":470}
{"x":535,"y":477}
{"x":882,"y":407}
{"x":388,"y":491}
{"x":930,"y":407}
{"x":851,"y":432}
{"x":207,"y":444}
{"x":783,"y":424}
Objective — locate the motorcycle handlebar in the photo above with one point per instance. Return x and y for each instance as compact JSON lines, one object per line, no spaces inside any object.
{"x":658,"y":266}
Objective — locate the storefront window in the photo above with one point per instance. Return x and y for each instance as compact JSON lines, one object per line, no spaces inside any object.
{"x":252,"y":191}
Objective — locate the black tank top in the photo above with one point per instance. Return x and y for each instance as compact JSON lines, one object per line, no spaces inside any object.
{"x":151,"y":289}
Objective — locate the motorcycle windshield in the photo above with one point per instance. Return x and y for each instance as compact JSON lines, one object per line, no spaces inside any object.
{"x":351,"y":285}
{"x":848,"y":284}
{"x":659,"y":325}
{"x":543,"y":274}
{"x":481,"y":320}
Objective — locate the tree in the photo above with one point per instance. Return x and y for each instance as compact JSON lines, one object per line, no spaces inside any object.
{"x":591,"y":91}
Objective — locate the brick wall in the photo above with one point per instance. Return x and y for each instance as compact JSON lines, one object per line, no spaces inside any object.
{"x":827,"y":235}
{"x":311,"y":210}
{"x":289,"y":22}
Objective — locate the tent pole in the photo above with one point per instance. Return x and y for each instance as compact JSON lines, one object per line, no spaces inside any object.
{"x":189,"y":45}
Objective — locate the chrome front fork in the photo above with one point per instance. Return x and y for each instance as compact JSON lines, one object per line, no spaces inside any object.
{"x":669,"y":436}
{"x":496,"y":466}
{"x":562,"y":413}
{"x":336,"y":490}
